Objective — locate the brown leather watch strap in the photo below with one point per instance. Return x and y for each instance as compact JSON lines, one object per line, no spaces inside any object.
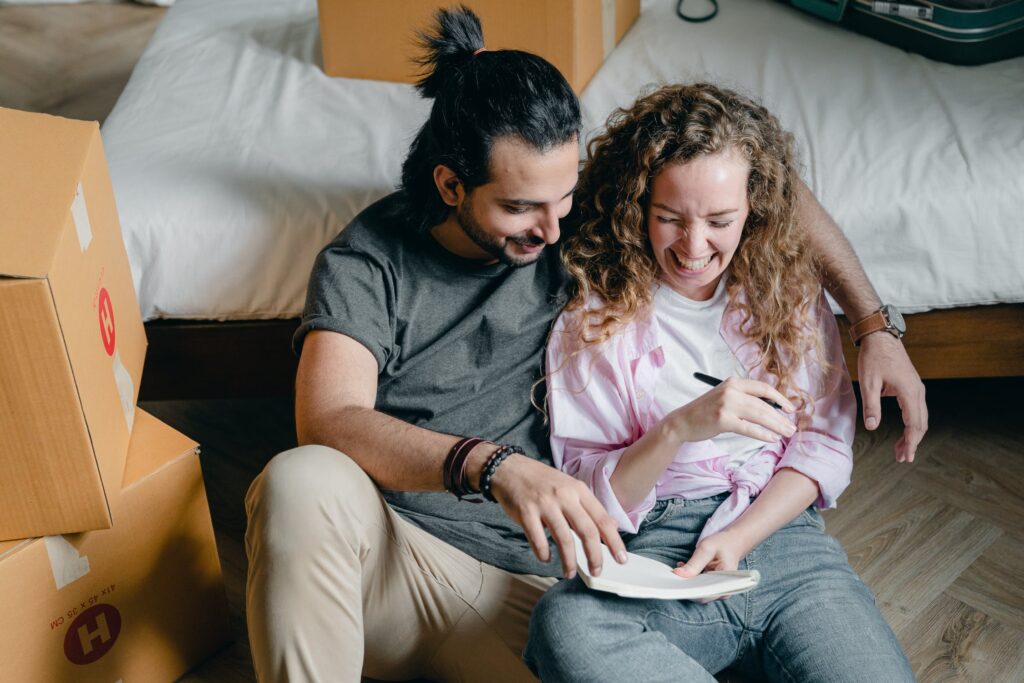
{"x":873,"y":323}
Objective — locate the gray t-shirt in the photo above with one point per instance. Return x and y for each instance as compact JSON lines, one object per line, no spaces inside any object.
{"x":458,"y":345}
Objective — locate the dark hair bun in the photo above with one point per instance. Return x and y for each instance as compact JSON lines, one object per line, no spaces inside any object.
{"x":451,"y":44}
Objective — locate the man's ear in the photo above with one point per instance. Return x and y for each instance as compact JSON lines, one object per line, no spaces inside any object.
{"x":448,"y":185}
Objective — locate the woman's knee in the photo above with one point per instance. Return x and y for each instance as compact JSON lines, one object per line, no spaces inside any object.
{"x":561,"y":626}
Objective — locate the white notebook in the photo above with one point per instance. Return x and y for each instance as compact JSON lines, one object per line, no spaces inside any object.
{"x":642,"y":577}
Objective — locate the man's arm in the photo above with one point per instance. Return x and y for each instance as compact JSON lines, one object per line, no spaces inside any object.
{"x":335,"y":394}
{"x":883,"y":366}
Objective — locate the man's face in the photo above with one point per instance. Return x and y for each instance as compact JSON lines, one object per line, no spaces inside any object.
{"x":515,"y":215}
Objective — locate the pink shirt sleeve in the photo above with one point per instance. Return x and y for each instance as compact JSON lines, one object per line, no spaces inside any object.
{"x":592,"y":420}
{"x":822,"y":449}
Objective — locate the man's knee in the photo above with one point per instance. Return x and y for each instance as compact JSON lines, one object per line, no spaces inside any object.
{"x":308,"y":491}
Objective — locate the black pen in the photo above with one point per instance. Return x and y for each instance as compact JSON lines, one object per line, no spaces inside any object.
{"x":714,"y":381}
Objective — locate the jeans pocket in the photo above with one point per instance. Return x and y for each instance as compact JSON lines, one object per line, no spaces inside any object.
{"x":658,"y":513}
{"x":813,"y":518}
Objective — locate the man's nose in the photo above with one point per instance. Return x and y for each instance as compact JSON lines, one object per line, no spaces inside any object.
{"x":548,"y":226}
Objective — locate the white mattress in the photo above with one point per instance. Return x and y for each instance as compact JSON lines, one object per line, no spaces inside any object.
{"x":235,"y":159}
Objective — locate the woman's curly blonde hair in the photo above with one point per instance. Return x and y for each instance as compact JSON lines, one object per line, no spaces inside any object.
{"x":610,"y":254}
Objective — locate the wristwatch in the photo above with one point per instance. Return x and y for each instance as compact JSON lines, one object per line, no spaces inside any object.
{"x":885,"y":318}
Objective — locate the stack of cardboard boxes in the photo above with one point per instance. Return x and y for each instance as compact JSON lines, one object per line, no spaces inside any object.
{"x":108,"y":566}
{"x":376,"y":39}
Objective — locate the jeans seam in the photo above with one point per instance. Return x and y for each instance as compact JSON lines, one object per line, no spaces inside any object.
{"x":778,"y":663}
{"x":688,"y":622}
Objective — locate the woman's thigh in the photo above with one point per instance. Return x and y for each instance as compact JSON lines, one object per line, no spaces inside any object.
{"x":818,"y":621}
{"x":577,"y":634}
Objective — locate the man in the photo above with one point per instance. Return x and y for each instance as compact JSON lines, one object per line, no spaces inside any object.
{"x":425,"y":323}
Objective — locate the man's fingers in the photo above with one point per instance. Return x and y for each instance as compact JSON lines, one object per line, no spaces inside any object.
{"x":871,"y":397}
{"x":915,"y":421}
{"x":591,"y":538}
{"x":606,"y":526}
{"x":562,"y":534}
{"x":534,"y":529}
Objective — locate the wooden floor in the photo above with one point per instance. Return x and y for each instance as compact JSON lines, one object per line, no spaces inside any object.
{"x":941,"y":542}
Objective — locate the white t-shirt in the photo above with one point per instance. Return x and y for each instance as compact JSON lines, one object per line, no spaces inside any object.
{"x":692,"y":343}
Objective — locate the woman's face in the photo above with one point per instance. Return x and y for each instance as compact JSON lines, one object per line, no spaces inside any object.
{"x":695,"y":220}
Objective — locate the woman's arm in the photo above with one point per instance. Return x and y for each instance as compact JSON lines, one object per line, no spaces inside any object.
{"x":735,"y":406}
{"x":787,"y":494}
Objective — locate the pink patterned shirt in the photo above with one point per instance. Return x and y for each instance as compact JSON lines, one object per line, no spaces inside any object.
{"x":602,"y":401}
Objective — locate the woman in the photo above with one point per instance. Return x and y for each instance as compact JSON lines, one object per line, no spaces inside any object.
{"x":687,"y":260}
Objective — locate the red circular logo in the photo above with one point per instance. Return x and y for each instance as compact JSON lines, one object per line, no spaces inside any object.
{"x":107,"y":321}
{"x":92,"y":634}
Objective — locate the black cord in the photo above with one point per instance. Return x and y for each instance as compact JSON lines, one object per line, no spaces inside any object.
{"x":697,"y":20}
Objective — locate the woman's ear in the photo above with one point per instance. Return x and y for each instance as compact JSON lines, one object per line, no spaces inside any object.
{"x":448,"y":185}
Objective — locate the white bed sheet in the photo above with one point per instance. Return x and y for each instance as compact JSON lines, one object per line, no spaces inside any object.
{"x":235,"y":159}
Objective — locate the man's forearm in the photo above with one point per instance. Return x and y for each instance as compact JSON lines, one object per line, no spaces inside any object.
{"x":842,"y":274}
{"x":395,"y":454}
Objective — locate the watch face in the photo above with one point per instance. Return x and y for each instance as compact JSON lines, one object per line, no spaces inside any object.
{"x":895,"y":319}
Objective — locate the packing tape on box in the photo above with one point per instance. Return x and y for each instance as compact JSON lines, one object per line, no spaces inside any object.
{"x":65,"y":562}
{"x":608,"y":19}
{"x":80,"y":215}
{"x":125,"y":389}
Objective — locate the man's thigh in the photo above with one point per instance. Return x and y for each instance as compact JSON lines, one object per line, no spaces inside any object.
{"x":341,"y":583}
{"x":432,"y":610}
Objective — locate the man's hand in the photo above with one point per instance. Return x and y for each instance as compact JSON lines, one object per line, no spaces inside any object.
{"x":884,"y":369}
{"x":536,"y":496}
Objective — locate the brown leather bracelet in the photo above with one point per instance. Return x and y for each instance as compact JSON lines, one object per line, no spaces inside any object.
{"x":454,"y":472}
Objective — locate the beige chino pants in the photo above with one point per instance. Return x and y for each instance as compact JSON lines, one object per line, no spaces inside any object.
{"x":340,"y":586}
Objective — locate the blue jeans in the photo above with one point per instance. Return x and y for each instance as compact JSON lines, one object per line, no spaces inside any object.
{"x":811,"y":618}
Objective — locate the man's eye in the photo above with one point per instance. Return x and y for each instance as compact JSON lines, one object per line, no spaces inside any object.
{"x":516,"y":209}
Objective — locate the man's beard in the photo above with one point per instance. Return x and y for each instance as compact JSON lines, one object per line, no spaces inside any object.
{"x":492,"y":244}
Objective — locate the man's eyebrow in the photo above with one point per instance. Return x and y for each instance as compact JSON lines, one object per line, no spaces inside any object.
{"x":532,"y":202}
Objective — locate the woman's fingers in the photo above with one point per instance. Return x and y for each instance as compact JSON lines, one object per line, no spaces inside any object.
{"x":695,"y":565}
{"x":760,"y":389}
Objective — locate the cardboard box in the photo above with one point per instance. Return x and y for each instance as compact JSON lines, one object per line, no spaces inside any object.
{"x":376,"y":39}
{"x":72,"y":342}
{"x":142,"y":601}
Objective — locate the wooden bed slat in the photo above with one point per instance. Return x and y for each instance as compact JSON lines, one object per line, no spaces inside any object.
{"x":206,"y":359}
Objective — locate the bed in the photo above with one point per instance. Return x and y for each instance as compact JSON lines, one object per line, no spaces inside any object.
{"x":235,"y":159}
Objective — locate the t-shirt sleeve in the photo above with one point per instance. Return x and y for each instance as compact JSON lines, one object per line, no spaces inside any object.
{"x":350,"y":292}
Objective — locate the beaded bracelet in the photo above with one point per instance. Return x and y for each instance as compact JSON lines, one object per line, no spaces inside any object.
{"x":491,"y":467}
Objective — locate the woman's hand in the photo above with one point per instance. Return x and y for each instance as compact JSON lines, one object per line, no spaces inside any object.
{"x":735,"y":406}
{"x":718,"y":552}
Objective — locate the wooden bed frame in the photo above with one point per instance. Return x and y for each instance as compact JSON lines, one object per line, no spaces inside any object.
{"x":207,"y":359}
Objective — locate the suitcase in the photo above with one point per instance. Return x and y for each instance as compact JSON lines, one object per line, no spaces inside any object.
{"x":955,"y":31}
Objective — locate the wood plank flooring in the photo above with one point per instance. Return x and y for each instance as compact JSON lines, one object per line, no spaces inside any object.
{"x":941,"y":541}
